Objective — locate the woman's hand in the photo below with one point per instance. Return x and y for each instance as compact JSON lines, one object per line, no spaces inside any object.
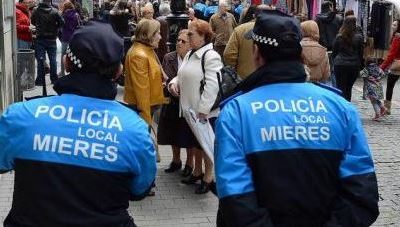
{"x":173,"y":89}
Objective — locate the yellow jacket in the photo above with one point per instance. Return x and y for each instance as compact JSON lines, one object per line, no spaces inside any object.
{"x":143,"y":79}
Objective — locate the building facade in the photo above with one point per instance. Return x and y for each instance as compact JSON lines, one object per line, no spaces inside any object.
{"x":8,"y":81}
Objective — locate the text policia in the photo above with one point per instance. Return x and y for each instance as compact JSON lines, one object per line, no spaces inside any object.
{"x":309,"y":119}
{"x":95,"y":137}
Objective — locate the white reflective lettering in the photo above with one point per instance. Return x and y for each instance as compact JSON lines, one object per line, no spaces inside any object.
{"x":97,"y":151}
{"x":69,"y":116}
{"x":90,"y":119}
{"x":41,"y":144}
{"x":111,"y":155}
{"x":268,"y":135}
{"x":81,"y":147}
{"x":58,"y":112}
{"x":115,"y":123}
{"x":256,"y":106}
{"x":275,"y":105}
{"x":65,"y":143}
{"x":41,"y":110}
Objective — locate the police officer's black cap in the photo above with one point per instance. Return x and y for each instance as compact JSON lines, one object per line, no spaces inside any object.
{"x":95,"y":45}
{"x":276,"y":29}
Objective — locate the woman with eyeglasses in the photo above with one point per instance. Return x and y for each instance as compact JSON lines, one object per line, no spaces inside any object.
{"x":187,"y":85}
{"x":172,"y":129}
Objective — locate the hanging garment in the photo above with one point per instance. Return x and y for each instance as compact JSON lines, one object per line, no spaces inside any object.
{"x":352,"y":5}
{"x":362,"y":20}
{"x":381,"y":20}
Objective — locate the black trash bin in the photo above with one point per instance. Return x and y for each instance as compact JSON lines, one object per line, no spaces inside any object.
{"x":26,"y":69}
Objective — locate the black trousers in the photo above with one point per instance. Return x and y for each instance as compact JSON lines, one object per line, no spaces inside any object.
{"x":391,"y":81}
{"x":346,"y":76}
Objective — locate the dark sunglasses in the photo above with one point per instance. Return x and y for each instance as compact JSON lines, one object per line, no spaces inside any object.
{"x":181,"y":40}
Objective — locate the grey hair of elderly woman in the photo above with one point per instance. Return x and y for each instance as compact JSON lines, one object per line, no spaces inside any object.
{"x":164,"y":9}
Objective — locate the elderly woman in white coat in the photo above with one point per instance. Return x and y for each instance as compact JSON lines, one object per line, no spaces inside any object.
{"x":187,"y":86}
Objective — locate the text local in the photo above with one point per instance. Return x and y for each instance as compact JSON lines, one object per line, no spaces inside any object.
{"x":93,"y":118}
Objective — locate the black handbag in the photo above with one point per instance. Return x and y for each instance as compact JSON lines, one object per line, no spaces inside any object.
{"x":228,"y":79}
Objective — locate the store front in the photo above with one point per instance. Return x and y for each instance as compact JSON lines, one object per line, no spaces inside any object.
{"x":8,"y":88}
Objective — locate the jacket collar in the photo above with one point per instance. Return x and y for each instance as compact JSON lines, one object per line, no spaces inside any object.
{"x":272,"y":73}
{"x":86,"y":84}
{"x":203,"y":49}
{"x":143,"y":46}
{"x":44,"y":5}
{"x":308,"y":39}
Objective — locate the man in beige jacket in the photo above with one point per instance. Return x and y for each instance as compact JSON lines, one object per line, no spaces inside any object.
{"x":239,"y":51}
{"x":222,"y":24}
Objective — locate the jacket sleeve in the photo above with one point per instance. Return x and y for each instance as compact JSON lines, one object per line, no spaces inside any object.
{"x":33,"y":17}
{"x":335,"y":48}
{"x":168,"y":66}
{"x":139,"y":71}
{"x":357,"y":203}
{"x":212,"y":65}
{"x":145,"y":160}
{"x":6,"y":152}
{"x":393,"y":53}
{"x":231,"y":51}
{"x":20,"y":26}
{"x":238,"y":202}
{"x":58,"y":18}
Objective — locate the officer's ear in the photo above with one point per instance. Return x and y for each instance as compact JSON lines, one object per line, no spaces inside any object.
{"x":257,"y":57}
{"x":119,"y":72}
{"x":67,"y":64}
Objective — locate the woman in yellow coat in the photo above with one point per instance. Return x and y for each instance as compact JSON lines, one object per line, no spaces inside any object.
{"x":143,"y":81}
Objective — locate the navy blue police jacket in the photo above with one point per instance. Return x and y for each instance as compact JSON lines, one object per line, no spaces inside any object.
{"x":78,"y":160}
{"x":290,"y":153}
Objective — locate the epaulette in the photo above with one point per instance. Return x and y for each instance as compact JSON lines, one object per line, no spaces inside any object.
{"x":330,"y":88}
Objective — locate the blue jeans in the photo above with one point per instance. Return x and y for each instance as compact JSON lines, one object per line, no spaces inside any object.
{"x":43,"y":46}
{"x":24,"y":44}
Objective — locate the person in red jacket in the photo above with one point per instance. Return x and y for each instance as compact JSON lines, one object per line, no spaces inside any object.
{"x":394,"y":55}
{"x":24,"y":35}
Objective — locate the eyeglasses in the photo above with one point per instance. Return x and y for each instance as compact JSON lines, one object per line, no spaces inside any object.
{"x":181,"y":40}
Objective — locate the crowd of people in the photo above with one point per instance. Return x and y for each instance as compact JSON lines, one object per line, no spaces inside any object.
{"x":266,"y":144}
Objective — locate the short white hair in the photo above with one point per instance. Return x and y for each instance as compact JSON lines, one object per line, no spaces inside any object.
{"x":223,"y":3}
{"x":164,"y":9}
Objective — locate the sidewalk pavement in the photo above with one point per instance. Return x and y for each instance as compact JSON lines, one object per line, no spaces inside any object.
{"x":176,"y":204}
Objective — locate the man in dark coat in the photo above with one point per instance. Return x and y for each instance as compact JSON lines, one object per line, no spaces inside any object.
{"x":47,"y":22}
{"x":329,"y":23}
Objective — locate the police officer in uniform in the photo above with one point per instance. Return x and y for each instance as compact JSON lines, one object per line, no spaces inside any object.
{"x":290,"y":153}
{"x":78,"y":157}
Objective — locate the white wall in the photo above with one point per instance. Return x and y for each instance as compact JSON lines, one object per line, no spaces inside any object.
{"x":7,"y":53}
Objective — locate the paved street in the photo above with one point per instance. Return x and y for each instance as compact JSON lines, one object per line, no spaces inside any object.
{"x":177,"y":205}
